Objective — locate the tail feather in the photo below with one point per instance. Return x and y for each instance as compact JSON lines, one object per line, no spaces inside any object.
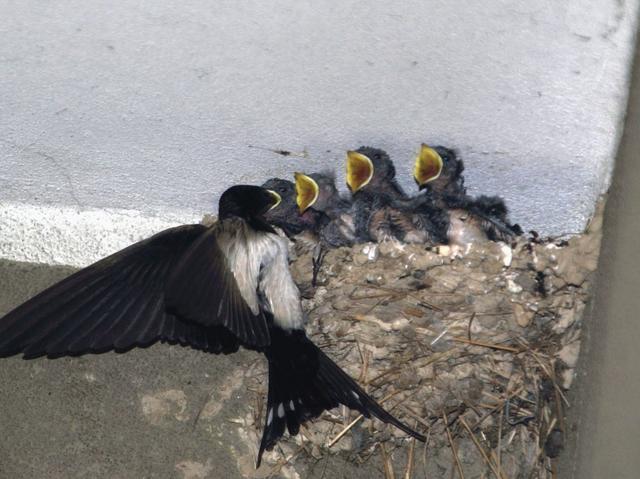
{"x":304,"y":382}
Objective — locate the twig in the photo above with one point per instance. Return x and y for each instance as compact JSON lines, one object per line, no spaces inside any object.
{"x":550,"y":376}
{"x":499,"y":451}
{"x":408,"y":472}
{"x":368,"y":296}
{"x":365,"y":368}
{"x":428,"y":305}
{"x":378,"y":303}
{"x":486,"y":345}
{"x":424,"y":454}
{"x":388,"y":465}
{"x":452,"y":445}
{"x":358,"y":419}
{"x":283,"y":462}
{"x":430,"y":359}
{"x":415,"y":416}
{"x":303,"y":154}
{"x":399,"y":293}
{"x":479,"y":447}
{"x":496,"y":407}
{"x":439,"y":337}
{"x":201,"y":409}
{"x":469,"y":326}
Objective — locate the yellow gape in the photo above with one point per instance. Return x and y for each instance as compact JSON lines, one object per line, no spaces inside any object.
{"x":306,"y":191}
{"x":359,"y":170}
{"x":428,"y":165}
{"x":276,"y":197}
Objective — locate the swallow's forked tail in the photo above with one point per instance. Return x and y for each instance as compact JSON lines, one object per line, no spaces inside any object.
{"x":304,"y":382}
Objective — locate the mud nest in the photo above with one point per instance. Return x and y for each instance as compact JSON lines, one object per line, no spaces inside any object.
{"x":476,"y":348}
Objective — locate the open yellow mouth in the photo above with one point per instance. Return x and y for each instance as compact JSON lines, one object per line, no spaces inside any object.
{"x":307,"y":191}
{"x":428,"y":165}
{"x":277,"y":199}
{"x":359,"y":170}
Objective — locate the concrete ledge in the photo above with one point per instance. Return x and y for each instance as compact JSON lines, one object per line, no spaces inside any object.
{"x":71,"y":236}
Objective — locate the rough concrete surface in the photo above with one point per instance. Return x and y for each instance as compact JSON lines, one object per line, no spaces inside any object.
{"x":113,"y":416}
{"x":607,"y":418}
{"x":152,"y":106}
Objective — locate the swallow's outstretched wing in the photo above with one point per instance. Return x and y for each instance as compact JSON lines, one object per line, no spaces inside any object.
{"x":203,"y":289}
{"x":115,"y":304}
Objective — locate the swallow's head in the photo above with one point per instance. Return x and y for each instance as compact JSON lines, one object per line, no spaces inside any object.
{"x":286,"y":210}
{"x":317,"y":190}
{"x":383,"y":168}
{"x":284,"y":188}
{"x":286,"y":215}
{"x":247,"y":201}
{"x":438,"y":169}
{"x":370,"y":166}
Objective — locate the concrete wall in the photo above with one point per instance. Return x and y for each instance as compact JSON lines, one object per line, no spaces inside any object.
{"x":151,"y":107}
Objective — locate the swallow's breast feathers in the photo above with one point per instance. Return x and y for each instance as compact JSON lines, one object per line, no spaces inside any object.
{"x":277,"y":287}
{"x":233,"y":235}
{"x":260,"y":264}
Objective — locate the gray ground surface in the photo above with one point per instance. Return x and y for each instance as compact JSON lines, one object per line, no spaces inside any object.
{"x":126,"y":416}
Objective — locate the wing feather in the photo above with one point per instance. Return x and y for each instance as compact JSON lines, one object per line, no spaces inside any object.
{"x":202,"y":285}
{"x":117,"y":303}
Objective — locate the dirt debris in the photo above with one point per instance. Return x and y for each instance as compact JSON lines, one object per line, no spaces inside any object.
{"x":474,"y":347}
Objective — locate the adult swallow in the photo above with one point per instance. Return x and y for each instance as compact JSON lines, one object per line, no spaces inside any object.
{"x":383,"y":209}
{"x":210,"y":288}
{"x":438,"y":171}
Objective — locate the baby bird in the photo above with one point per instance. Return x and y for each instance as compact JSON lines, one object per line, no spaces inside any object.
{"x":438,"y":171}
{"x":382,"y":209}
{"x":317,"y":193}
{"x":470,"y":219}
{"x":302,"y":228}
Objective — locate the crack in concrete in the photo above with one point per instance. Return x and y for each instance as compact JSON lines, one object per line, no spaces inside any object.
{"x":62,"y":171}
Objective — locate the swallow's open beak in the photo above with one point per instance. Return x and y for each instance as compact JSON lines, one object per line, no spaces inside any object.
{"x":307,"y":191}
{"x":428,"y":165}
{"x":359,"y":170}
{"x":276,"y":199}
